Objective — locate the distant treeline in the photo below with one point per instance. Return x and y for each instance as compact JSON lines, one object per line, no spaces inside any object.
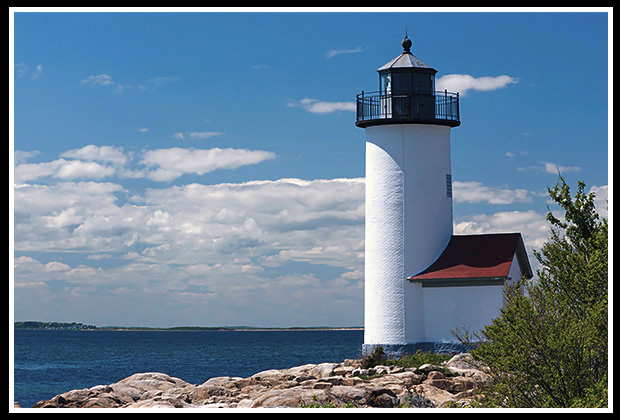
{"x":38,"y":325}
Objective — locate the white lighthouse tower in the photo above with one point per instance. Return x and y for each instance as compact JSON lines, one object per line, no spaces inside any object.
{"x":408,"y":194}
{"x":409,"y":210}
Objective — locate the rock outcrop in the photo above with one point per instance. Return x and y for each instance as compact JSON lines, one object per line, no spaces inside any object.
{"x":346,"y":384}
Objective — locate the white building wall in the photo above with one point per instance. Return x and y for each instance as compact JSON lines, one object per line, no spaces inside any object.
{"x":408,"y":224}
{"x":469,"y":308}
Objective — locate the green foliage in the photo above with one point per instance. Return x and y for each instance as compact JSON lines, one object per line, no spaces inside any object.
{"x":549,"y":346}
{"x":329,"y":404}
{"x":377,"y":357}
{"x":418,"y":359}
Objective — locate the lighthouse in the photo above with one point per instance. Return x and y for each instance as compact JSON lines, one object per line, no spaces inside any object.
{"x":410,"y":301}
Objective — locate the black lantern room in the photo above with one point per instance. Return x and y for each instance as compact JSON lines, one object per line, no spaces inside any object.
{"x":407,"y":95}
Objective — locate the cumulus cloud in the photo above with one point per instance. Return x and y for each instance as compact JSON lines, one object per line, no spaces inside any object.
{"x":199,"y":246}
{"x":54,"y":217}
{"x":99,"y":162}
{"x":61,"y":168}
{"x":532,"y":225}
{"x":476,"y":192}
{"x":25,"y":172}
{"x":322,"y":107}
{"x":462,"y":83}
{"x":110,"y":154}
{"x":21,"y":156}
{"x":78,"y":169}
{"x":174,"y":162}
{"x":270,"y":222}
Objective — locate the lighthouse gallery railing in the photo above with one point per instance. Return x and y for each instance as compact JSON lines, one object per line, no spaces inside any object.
{"x":441,"y":107}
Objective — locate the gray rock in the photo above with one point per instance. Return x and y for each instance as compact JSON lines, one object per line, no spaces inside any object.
{"x":323,"y":370}
{"x":324,"y":384}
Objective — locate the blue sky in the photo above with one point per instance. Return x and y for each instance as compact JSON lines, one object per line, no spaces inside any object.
{"x":204,"y":168}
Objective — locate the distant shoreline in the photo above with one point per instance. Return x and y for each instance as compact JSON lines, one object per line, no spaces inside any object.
{"x":228,"y":329}
{"x":38,"y":325}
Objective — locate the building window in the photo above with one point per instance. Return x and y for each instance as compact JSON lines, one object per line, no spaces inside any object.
{"x":449,"y":185}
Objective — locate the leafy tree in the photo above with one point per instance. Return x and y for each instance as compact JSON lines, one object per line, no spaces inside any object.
{"x":548,"y":348}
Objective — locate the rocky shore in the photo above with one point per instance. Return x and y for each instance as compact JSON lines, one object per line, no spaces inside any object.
{"x":345,"y":384}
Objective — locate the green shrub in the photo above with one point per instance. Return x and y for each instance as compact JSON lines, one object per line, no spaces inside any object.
{"x":548,"y":348}
{"x":377,"y":357}
{"x":418,"y":359}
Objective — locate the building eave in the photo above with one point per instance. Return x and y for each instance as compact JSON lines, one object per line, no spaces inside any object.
{"x":461,"y":282}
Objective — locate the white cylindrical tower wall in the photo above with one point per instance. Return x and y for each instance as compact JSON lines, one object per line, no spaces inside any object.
{"x":408,"y":224}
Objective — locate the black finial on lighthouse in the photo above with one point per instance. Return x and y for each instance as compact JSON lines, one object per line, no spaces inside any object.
{"x":406,"y":45}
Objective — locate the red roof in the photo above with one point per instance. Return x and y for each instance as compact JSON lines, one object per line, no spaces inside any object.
{"x":469,"y":257}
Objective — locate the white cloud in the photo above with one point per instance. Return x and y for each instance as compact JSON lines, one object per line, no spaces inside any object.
{"x":55,"y":266}
{"x":160,"y":164}
{"x":25,"y":172}
{"x":55,"y":217}
{"x":322,"y":107}
{"x":197,"y":135}
{"x":464,"y":82}
{"x":21,"y":156}
{"x":532,"y":225}
{"x":106,"y":80}
{"x":333,"y":53}
{"x":38,"y":72}
{"x":24,"y":70}
{"x":264,"y":218}
{"x":110,"y":154}
{"x":174,"y":162}
{"x":476,"y":192}
{"x":550,"y":168}
{"x":553,"y":168}
{"x":268,"y":222}
{"x":101,"y":80}
{"x":601,"y":196}
{"x":21,"y":69}
{"x":204,"y":134}
{"x":61,"y":168}
{"x":188,"y":245}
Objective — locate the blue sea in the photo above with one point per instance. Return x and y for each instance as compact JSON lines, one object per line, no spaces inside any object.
{"x":50,"y":362}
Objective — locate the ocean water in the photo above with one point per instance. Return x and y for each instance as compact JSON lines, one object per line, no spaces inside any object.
{"x":48,"y":363}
